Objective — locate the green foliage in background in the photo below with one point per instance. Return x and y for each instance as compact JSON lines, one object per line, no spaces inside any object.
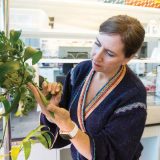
{"x":15,"y":73}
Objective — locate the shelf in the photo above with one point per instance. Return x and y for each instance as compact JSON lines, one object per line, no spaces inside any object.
{"x":59,"y":34}
{"x":53,"y":60}
{"x":152,"y":36}
{"x":145,"y":61}
{"x":58,"y":60}
{"x":53,"y":33}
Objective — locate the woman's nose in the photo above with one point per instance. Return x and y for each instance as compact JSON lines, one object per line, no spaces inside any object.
{"x":98,"y":54}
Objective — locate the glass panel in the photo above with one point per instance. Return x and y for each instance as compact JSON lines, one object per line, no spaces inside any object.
{"x":149,"y":73}
{"x":66,"y":48}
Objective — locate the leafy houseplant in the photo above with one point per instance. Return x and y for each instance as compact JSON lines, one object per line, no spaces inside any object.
{"x":15,"y":74}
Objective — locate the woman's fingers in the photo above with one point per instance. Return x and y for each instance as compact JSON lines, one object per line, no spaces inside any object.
{"x":44,"y":84}
{"x":35,"y":92}
{"x":55,"y":88}
{"x":58,"y":88}
{"x":52,"y":88}
{"x":59,"y":112}
{"x":52,"y":108}
{"x":56,"y":99}
{"x":44,"y":87}
{"x":47,"y":87}
{"x":37,"y":97}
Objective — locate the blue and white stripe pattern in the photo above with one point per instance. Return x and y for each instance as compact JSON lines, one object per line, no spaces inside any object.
{"x":130,"y":107}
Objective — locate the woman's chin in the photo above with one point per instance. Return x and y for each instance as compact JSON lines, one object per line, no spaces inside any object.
{"x":95,"y":68}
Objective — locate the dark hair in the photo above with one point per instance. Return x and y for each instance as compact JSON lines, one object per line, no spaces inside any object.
{"x":130,"y":29}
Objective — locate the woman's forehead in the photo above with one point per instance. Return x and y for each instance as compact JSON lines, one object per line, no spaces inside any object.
{"x":108,"y":40}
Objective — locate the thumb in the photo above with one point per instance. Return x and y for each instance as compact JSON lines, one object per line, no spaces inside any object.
{"x":56,"y":99}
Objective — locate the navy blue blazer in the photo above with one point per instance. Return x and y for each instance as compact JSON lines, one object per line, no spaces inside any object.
{"x":115,"y":127}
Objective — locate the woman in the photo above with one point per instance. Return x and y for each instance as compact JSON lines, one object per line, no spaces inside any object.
{"x":102,"y":110}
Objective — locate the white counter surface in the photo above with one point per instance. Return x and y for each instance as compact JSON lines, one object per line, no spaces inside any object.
{"x":151,"y":131}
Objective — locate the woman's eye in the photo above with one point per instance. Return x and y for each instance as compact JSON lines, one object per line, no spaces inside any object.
{"x":109,"y":53}
{"x":97,"y":44}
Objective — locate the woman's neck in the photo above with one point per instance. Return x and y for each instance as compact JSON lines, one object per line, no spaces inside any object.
{"x":106,"y":76}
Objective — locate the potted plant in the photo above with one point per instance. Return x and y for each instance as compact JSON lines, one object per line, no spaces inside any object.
{"x":15,"y":74}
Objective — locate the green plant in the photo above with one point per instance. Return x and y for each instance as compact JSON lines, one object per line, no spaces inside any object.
{"x":15,"y":74}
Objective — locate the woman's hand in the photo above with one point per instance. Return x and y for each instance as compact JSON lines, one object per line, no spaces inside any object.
{"x":54,"y":100}
{"x":55,"y":89}
{"x":61,"y":117}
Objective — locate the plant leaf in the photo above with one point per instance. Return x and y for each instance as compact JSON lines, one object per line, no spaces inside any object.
{"x":33,"y":132}
{"x":36,"y":57}
{"x":6,"y":104}
{"x":14,"y":36}
{"x":39,"y":128}
{"x":14,"y":152}
{"x":39,"y":135}
{"x":8,"y":67}
{"x":42,"y":140}
{"x":14,"y":104}
{"x":48,"y":139}
{"x":1,"y":157}
{"x":30,"y":52}
{"x":27,"y":149}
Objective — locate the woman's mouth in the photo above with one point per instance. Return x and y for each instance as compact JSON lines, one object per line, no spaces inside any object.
{"x":96,"y":64}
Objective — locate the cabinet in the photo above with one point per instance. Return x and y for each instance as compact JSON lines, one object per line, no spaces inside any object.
{"x":77,"y":21}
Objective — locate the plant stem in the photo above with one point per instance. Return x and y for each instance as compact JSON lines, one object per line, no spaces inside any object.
{"x":4,"y":131}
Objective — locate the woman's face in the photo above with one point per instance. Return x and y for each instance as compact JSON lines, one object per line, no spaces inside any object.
{"x":107,"y":53}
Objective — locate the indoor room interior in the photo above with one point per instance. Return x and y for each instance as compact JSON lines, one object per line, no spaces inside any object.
{"x":65,"y":31}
